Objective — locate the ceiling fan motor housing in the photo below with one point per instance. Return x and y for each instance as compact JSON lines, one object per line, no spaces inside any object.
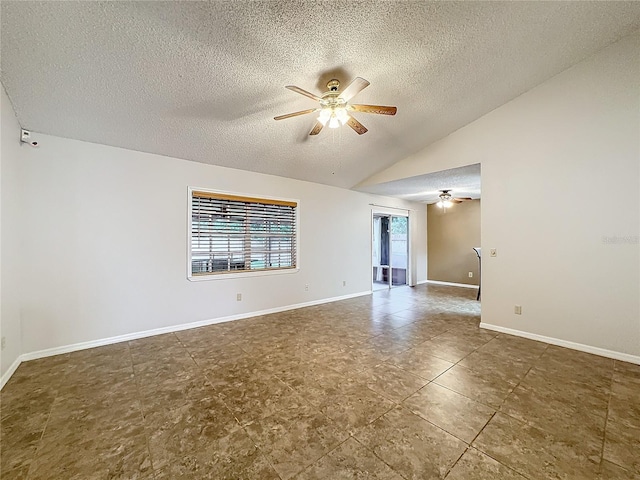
{"x":333,"y":85}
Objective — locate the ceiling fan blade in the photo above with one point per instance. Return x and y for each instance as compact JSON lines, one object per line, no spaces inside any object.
{"x":316,"y":128}
{"x":462,"y":199}
{"x":356,"y":86}
{"x":357,"y":126}
{"x":379,"y":109}
{"x":455,"y":200}
{"x":293,"y":88}
{"x":295,"y":114}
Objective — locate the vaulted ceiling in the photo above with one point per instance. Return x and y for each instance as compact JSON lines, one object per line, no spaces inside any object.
{"x":202,"y":81}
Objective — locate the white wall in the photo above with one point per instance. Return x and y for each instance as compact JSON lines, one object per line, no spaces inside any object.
{"x":10,"y":157}
{"x":105,"y":243}
{"x":560,"y":171}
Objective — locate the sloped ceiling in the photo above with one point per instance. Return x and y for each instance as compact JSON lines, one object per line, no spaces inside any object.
{"x":202,"y":81}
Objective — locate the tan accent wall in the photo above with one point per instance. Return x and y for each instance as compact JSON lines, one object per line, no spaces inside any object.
{"x":451,"y":235}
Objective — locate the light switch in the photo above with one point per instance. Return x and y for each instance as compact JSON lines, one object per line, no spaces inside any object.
{"x":493,"y":252}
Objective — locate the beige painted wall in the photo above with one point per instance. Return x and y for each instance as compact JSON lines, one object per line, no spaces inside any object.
{"x":451,"y":235}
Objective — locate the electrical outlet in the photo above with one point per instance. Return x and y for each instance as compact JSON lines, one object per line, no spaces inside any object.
{"x":517,"y":310}
{"x":238,"y":297}
{"x":3,"y":343}
{"x":493,"y":252}
{"x":470,"y":274}
{"x":306,"y":287}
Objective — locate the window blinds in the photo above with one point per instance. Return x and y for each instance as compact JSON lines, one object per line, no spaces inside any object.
{"x":232,"y":233}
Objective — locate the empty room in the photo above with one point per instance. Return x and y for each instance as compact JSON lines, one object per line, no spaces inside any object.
{"x":319,"y":240}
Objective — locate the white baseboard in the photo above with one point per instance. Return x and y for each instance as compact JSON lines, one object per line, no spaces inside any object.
{"x":12,"y":369}
{"x":174,"y":328}
{"x":422,"y":282}
{"x":603,"y":352}
{"x":451,"y":284}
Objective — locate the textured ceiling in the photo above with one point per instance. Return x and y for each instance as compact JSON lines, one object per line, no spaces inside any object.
{"x":203,"y":80}
{"x":462,"y":181}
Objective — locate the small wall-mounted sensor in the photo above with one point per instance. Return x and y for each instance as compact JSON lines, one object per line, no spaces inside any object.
{"x":25,"y":138}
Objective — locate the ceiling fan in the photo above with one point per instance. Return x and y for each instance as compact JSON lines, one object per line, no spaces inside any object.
{"x":446,"y":200}
{"x":334,"y":108}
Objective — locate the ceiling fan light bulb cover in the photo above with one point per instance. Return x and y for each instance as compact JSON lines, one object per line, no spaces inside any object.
{"x":342,"y":115}
{"x":334,"y":122}
{"x":324,"y":116}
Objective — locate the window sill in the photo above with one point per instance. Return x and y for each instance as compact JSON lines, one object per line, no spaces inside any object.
{"x":230,"y":275}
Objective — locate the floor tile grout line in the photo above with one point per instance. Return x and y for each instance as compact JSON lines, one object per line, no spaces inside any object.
{"x":406,"y":409}
{"x":511,"y":391}
{"x":320,"y":458}
{"x":522,"y":379}
{"x":231,"y":412}
{"x":142,"y":409}
{"x":496,"y":410}
{"x":44,"y":429}
{"x":606,"y":418}
{"x":456,"y":462}
{"x":317,"y":459}
{"x":471,"y":445}
{"x":363,"y":386}
{"x":466,"y":368}
{"x":378,"y":457}
{"x":351,"y":435}
{"x":535,"y":427}
{"x":499,"y":410}
{"x":523,"y":475}
{"x":416,"y":375}
{"x":261,"y":452}
{"x":201,"y":371}
{"x":39,"y":443}
{"x":444,"y":429}
{"x":474,"y":371}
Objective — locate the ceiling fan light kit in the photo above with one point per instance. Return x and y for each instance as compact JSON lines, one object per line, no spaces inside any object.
{"x":336,"y":116}
{"x":334,"y":110}
{"x":447,"y":201}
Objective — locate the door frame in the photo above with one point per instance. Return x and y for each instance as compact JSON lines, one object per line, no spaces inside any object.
{"x":391,"y":212}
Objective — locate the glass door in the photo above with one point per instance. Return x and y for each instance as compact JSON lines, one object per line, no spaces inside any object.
{"x":380,"y":251}
{"x":389,"y":251}
{"x":399,"y":250}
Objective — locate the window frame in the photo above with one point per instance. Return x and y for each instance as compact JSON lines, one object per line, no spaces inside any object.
{"x":243,"y":273}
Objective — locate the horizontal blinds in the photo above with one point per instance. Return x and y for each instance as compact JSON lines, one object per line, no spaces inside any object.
{"x":232,"y":233}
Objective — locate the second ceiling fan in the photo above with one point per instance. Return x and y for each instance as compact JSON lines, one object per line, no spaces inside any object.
{"x":335,"y":109}
{"x":446,"y":199}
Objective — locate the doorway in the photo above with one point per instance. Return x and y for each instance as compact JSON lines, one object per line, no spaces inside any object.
{"x":390,"y":251}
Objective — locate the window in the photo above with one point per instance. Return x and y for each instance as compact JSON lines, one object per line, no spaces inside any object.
{"x":234,"y":234}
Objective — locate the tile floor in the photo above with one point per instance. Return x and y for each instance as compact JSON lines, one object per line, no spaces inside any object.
{"x":401,"y":384}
